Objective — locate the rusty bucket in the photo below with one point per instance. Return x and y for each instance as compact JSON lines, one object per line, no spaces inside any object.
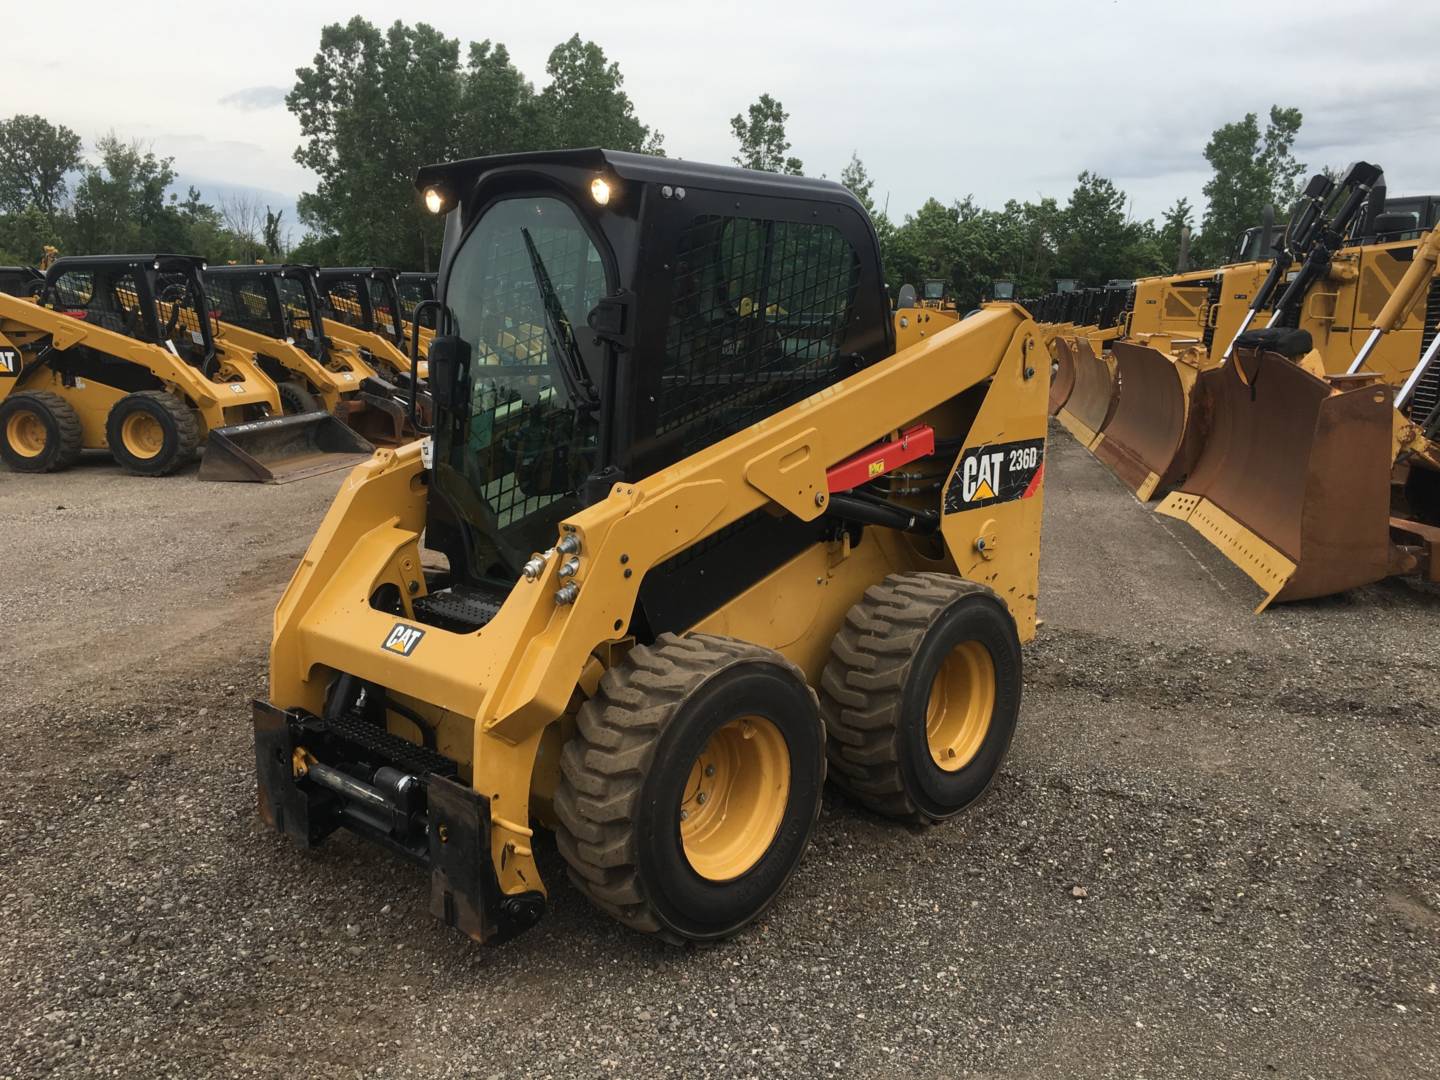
{"x":1148,"y":442}
{"x":1293,"y":481}
{"x":1062,"y":374}
{"x":1093,"y":398}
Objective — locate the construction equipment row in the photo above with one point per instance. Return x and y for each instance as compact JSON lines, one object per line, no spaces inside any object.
{"x":151,"y":356}
{"x":1285,"y":408}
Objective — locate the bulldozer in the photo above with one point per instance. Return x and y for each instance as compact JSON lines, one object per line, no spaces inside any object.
{"x":689,"y":536}
{"x":274,"y":311}
{"x":100,"y":361}
{"x":1314,"y":482}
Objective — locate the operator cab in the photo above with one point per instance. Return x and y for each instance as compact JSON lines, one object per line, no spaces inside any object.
{"x":364,"y":297}
{"x":415,"y":289}
{"x":605,"y":314}
{"x":278,"y":301}
{"x":159,"y":299}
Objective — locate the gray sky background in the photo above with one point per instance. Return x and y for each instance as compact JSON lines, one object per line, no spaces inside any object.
{"x":945,"y":99}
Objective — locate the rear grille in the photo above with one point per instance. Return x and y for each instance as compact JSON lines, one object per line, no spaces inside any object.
{"x":1425,"y":399}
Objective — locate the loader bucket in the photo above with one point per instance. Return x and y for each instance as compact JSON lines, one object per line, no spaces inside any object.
{"x":1293,"y":481}
{"x":1146,"y":439}
{"x":1093,"y":398}
{"x":1062,"y":379}
{"x":282,"y":449}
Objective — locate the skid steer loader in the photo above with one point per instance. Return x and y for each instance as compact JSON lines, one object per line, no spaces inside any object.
{"x":362,"y":310}
{"x":705,"y":535}
{"x":413,"y":289}
{"x":274,"y":311}
{"x":1312,"y":482}
{"x":100,"y":361}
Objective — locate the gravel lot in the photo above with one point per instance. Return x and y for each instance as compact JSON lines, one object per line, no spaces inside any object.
{"x":1212,"y":853}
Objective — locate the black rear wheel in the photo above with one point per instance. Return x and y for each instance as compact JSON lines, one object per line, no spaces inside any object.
{"x":296,"y":399}
{"x":689,"y":793}
{"x":921,"y":695}
{"x":39,"y":432}
{"x":152,"y":433}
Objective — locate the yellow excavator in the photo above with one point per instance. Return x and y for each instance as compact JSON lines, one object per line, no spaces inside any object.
{"x":689,"y":534}
{"x":119,"y":352}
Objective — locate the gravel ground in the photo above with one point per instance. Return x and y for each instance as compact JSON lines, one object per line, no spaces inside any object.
{"x":1212,"y":852}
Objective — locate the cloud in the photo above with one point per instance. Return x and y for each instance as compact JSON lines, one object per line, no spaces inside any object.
{"x":255,"y":97}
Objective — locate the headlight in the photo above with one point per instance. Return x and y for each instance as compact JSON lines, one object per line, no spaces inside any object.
{"x":434,"y":200}
{"x":600,"y":190}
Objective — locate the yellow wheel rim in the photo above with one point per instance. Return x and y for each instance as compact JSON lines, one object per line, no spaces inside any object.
{"x":142,"y":435}
{"x":962,"y":700}
{"x":26,"y":434}
{"x":735,"y":798}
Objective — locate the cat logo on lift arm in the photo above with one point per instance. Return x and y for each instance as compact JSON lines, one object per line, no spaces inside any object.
{"x":402,"y":639}
{"x":994,"y":474}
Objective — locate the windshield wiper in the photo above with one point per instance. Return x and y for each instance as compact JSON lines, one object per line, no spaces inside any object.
{"x":562,"y":338}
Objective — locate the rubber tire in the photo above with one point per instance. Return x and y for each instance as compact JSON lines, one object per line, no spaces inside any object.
{"x":295,"y":399}
{"x":182,"y":432}
{"x":623,"y":774}
{"x":62,"y":432}
{"x":876,"y":684}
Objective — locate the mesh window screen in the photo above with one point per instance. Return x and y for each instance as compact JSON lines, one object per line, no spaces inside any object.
{"x":380,"y":303}
{"x":111,"y":303}
{"x":296,"y":305}
{"x":242,"y":301}
{"x":343,"y":300}
{"x":758,"y":317}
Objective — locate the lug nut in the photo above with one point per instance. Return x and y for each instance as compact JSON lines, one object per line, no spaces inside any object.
{"x":709,"y":770}
{"x":702,"y":798}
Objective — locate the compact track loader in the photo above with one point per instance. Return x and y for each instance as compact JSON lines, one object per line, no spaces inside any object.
{"x":697,"y":535}
{"x":119,"y":353}
{"x":274,"y":311}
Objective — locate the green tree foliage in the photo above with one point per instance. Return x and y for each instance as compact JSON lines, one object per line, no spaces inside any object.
{"x":1179,"y":217}
{"x":761,"y":135}
{"x":120,"y":201}
{"x":585,"y":105}
{"x":35,"y":158}
{"x":272,"y":237}
{"x":375,"y":105}
{"x":1250,"y":169}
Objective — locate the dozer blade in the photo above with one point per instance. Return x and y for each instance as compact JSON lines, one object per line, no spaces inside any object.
{"x":1092,"y":399}
{"x":1293,"y":481}
{"x":1147,"y":441}
{"x":282,"y":449}
{"x":1062,"y":381}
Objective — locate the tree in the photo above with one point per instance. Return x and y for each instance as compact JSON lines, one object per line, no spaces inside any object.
{"x":1250,"y":169}
{"x":499,"y":113}
{"x":1176,"y":220}
{"x":244,"y":218}
{"x":270,"y":233}
{"x":584,"y":103}
{"x":35,"y":158}
{"x":855,"y":177}
{"x":120,"y":202}
{"x":762,"y":138}
{"x":374,"y":106}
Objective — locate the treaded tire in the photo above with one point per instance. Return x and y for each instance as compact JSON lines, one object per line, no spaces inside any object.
{"x":295,"y":399}
{"x":177,"y":422}
{"x":624,"y":772}
{"x":876,"y":686}
{"x":62,"y":432}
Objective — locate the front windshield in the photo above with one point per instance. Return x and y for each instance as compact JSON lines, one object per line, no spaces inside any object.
{"x":522,"y":437}
{"x":243,"y":300}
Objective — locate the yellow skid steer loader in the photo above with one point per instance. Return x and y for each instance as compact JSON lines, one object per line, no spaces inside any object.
{"x":101,"y":361}
{"x":274,"y":311}
{"x":706,"y":536}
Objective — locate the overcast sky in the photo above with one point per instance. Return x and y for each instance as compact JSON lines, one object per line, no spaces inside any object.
{"x":997,"y":100}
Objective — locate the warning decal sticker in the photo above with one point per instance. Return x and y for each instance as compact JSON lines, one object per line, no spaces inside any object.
{"x":996,"y":474}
